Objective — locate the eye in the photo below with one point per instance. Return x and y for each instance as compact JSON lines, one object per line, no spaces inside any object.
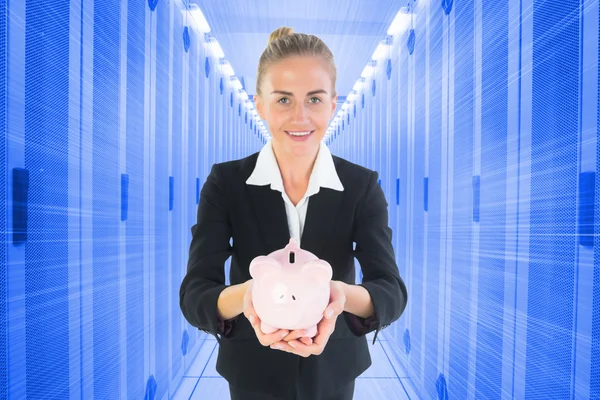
{"x":318,"y":100}
{"x":279,"y":293}
{"x":283,"y":98}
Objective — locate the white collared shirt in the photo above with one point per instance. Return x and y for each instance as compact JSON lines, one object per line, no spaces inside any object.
{"x":324,"y":174}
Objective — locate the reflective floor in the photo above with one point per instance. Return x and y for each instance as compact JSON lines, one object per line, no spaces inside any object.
{"x":384,"y":380}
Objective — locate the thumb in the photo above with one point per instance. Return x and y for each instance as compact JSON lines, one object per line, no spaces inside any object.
{"x":338,"y":298}
{"x":247,"y":299}
{"x":249,"y":285}
{"x":334,"y":309}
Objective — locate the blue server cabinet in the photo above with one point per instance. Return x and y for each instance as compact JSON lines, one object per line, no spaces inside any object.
{"x":162,"y":348}
{"x":46,"y":160}
{"x":110,"y":201}
{"x":178,"y":224}
{"x":3,"y":194}
{"x":461,"y":245}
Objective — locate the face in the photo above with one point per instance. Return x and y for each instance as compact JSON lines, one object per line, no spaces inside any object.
{"x":297,"y":103}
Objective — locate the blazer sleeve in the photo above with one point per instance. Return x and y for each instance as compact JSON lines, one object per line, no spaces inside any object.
{"x":375,"y":253}
{"x":209,"y":249}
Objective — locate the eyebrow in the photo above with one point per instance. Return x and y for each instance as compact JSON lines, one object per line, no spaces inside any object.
{"x":308,"y":94}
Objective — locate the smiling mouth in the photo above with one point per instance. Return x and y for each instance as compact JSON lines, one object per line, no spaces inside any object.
{"x":299,"y":133}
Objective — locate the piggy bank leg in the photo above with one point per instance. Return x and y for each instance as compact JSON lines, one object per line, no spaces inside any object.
{"x":311,"y":331}
{"x":266,"y":328}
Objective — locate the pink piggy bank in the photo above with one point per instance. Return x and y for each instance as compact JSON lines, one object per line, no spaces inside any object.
{"x":290,"y":289}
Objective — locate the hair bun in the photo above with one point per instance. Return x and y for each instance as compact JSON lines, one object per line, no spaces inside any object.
{"x":279,"y":33}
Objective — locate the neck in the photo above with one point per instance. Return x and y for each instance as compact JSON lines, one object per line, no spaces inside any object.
{"x":294,"y":170}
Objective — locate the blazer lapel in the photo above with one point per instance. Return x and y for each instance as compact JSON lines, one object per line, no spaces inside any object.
{"x":269,"y":210}
{"x":321,"y":216}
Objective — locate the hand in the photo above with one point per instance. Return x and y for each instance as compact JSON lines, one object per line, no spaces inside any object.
{"x":299,"y":335}
{"x":250,"y":313}
{"x":325,"y":328}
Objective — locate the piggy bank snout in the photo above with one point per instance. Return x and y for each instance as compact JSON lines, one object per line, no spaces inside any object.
{"x":282,"y":294}
{"x":289,"y":303}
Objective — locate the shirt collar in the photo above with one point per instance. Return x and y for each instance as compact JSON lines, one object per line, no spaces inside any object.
{"x":324,"y":174}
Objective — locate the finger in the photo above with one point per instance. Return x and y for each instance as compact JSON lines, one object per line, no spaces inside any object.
{"x":334,"y":309}
{"x":255,"y":321}
{"x":324,"y":330}
{"x":248,"y":289}
{"x":250,"y":313}
{"x":295,"y":347}
{"x":284,"y":346}
{"x":247,"y":300}
{"x":335,"y":291}
{"x":247,"y":303}
{"x":280,"y":346}
{"x":306,"y":340}
{"x":305,"y":350}
{"x":295,"y":334}
{"x":336,"y":304}
{"x":269,"y":339}
{"x":329,"y":311}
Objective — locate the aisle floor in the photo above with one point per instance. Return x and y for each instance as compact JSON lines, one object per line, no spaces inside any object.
{"x":384,"y":380}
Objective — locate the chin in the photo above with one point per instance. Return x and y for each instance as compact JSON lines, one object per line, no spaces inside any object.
{"x":303,"y":148}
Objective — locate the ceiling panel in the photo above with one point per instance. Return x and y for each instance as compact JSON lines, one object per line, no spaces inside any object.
{"x":352,"y":29}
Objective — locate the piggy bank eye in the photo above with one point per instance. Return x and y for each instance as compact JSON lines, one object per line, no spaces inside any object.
{"x":279,"y":293}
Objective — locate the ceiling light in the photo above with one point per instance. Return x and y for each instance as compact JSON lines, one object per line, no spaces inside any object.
{"x":400,"y":23}
{"x":369,"y":69}
{"x":381,"y":51}
{"x":215,"y":48}
{"x":226,"y":68}
{"x":198,"y":19}
{"x":235,"y":82}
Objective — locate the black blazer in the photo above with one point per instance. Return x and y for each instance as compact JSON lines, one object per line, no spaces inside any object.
{"x":255,"y":218}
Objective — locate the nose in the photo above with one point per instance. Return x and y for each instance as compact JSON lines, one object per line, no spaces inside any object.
{"x":300,"y":113}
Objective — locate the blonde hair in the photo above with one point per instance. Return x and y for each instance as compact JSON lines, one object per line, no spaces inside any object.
{"x":283,"y":43}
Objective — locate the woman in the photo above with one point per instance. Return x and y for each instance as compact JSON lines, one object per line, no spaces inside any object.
{"x":295,"y":188}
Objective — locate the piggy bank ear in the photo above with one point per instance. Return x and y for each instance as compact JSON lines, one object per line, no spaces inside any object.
{"x":320,"y":270}
{"x":263,"y":265}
